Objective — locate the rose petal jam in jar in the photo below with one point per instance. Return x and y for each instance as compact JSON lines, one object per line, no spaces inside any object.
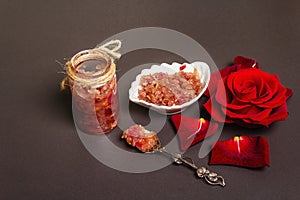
{"x":93,"y":82}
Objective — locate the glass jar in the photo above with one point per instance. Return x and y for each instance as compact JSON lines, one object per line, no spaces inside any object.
{"x":93,"y":82}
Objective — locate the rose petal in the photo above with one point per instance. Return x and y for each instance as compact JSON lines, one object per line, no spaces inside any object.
{"x":216,"y":77}
{"x":216,"y":111}
{"x":243,"y":84}
{"x":225,"y":98}
{"x":245,"y":151}
{"x":277,"y":114}
{"x":223,"y":95}
{"x":240,"y":63}
{"x":275,"y":92}
{"x":246,"y":62}
{"x":270,"y":80}
{"x":277,"y":100}
{"x":237,"y":105}
{"x":245,"y":90}
{"x":192,"y":130}
{"x":253,"y":113}
{"x":288,"y":93}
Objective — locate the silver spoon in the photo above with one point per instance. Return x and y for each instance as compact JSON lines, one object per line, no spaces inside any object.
{"x":137,"y":135}
{"x":211,"y":178}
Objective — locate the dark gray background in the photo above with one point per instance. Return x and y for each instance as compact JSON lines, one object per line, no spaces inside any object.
{"x":41,"y":154}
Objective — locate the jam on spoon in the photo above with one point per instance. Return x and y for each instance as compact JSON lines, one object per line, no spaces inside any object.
{"x":148,"y":142}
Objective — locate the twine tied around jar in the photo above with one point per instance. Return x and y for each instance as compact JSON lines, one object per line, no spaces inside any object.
{"x":94,"y":79}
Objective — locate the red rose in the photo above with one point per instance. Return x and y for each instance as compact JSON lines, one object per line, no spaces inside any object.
{"x":251,"y":97}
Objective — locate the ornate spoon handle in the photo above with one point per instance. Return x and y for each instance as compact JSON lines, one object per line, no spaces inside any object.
{"x":211,"y":178}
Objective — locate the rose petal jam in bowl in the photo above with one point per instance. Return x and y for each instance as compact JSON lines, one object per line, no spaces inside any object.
{"x":170,"y":89}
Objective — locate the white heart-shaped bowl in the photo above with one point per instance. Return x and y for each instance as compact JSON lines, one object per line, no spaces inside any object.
{"x":204,"y":74}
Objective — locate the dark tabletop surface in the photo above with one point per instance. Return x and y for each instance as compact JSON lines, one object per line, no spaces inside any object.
{"x":41,"y":154}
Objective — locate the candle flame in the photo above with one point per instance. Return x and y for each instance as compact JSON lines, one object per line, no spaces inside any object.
{"x":237,"y":139}
{"x":202,"y":120}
